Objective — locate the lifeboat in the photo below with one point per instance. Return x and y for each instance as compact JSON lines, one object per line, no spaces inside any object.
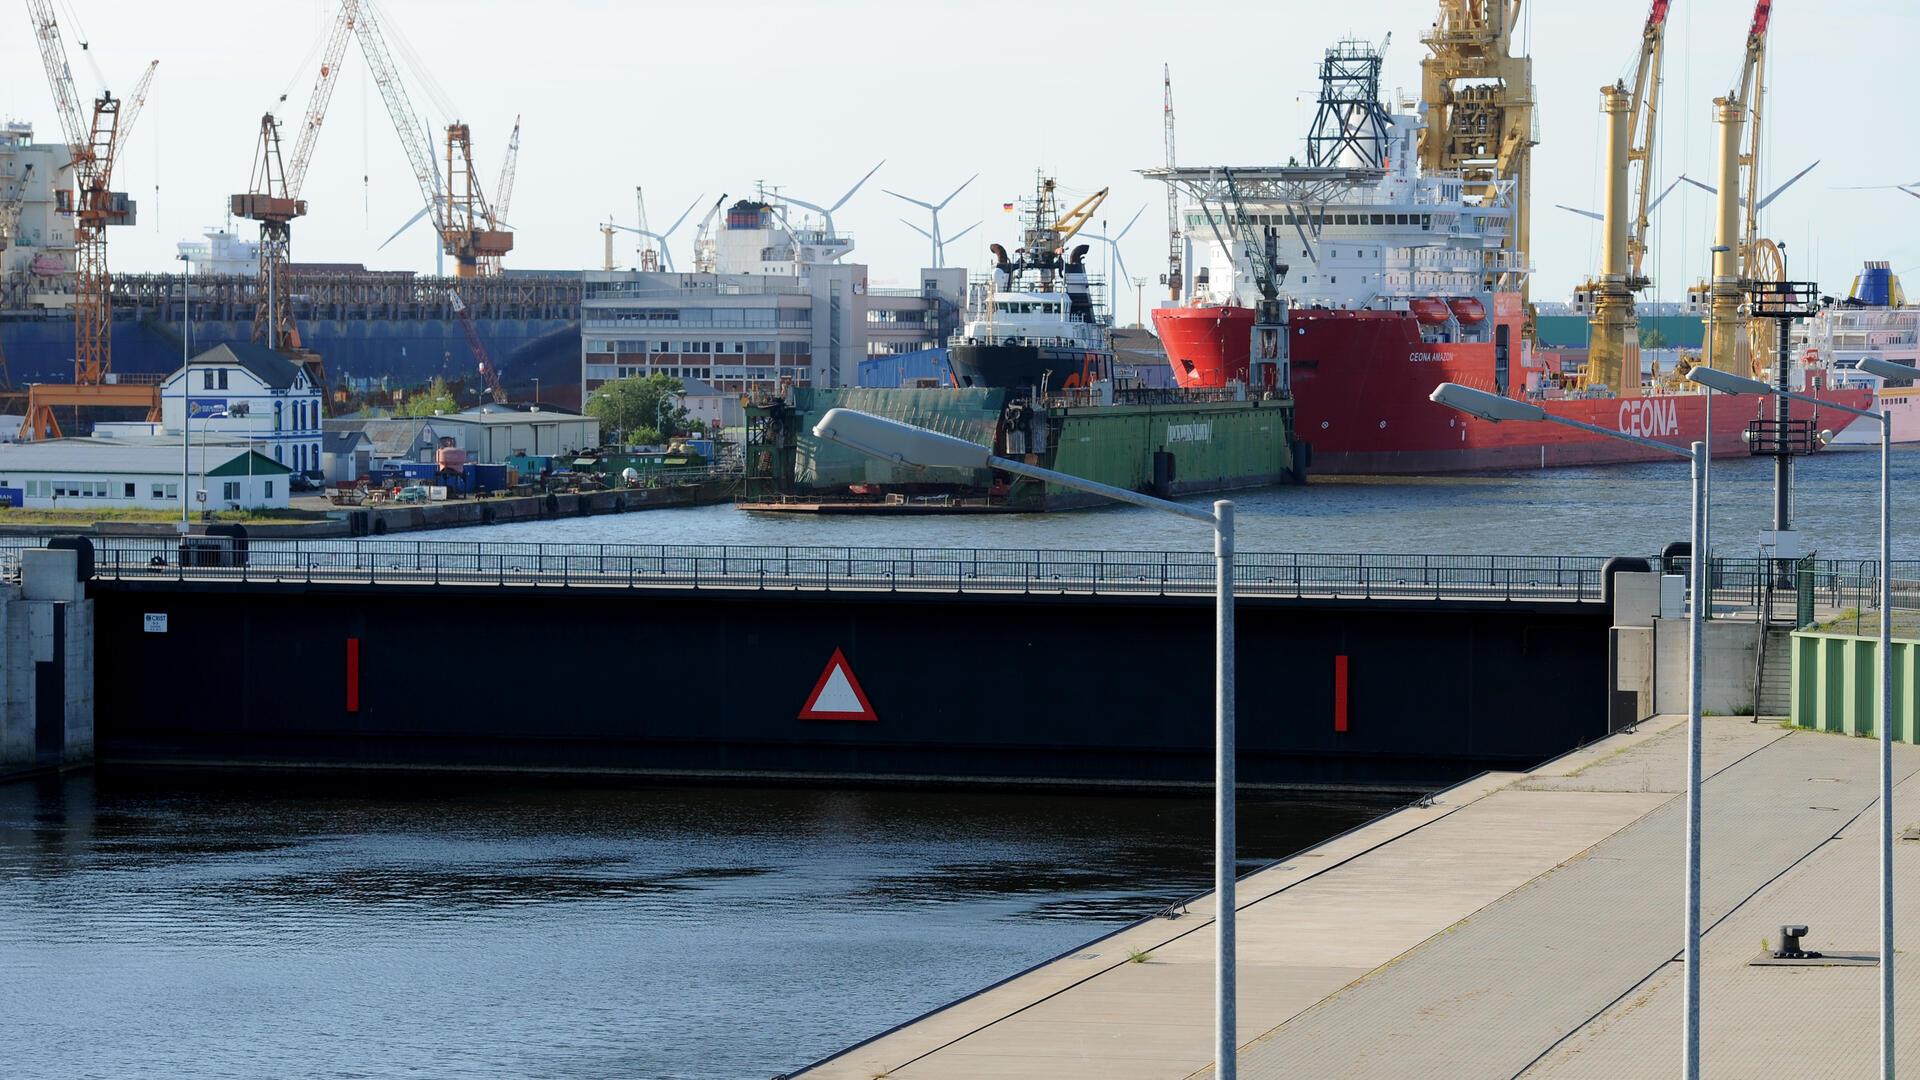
{"x":1467,"y":309}
{"x":1430,"y":310}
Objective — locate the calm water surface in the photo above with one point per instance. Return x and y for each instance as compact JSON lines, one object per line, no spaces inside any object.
{"x":226,"y":925}
{"x":1609,"y":510}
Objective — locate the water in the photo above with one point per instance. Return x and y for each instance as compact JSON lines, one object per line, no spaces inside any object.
{"x":1606,"y":510}
{"x":222,"y":925}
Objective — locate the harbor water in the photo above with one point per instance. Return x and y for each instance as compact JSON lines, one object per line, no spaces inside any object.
{"x":1606,"y":510}
{"x":210,"y":924}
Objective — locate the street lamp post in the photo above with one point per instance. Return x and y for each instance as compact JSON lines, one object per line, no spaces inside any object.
{"x":1728,"y":383}
{"x":536,"y":389}
{"x":186,"y":389}
{"x":1494,"y":408}
{"x":904,"y":444}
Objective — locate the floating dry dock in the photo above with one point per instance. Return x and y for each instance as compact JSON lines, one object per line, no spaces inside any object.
{"x":1521,"y":925}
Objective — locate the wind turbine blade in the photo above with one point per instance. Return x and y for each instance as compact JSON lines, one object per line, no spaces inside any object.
{"x":1582,"y":213}
{"x":1121,"y":235}
{"x":1708,"y":188}
{"x":961,"y":233}
{"x":805,"y":205}
{"x":1655,"y":204}
{"x":854,"y":188}
{"x":1777,"y":192}
{"x":956,"y":191}
{"x":1121,"y":261}
{"x":410,"y":224}
{"x":683,"y":216}
{"x":916,"y":228}
{"x":1912,"y":192}
{"x":916,"y":202}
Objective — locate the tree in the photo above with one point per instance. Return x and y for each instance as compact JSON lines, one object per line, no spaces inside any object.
{"x":436,"y":398}
{"x":645,"y":408}
{"x":1652,"y":338}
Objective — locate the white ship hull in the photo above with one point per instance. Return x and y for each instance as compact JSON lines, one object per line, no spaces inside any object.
{"x":1903,"y":403}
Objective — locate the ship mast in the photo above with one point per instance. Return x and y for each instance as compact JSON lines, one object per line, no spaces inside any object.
{"x":1479,"y":113}
{"x":1174,"y":231}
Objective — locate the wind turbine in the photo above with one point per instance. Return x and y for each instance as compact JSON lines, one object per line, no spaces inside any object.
{"x":1772,"y":195}
{"x":826,"y":212}
{"x":666,"y":253}
{"x":1651,"y":207}
{"x":1113,"y":251}
{"x":439,"y":251}
{"x":934,"y":209}
{"x":941,"y":260}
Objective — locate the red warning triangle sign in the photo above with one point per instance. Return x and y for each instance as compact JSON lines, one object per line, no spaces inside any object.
{"x":837,"y":696}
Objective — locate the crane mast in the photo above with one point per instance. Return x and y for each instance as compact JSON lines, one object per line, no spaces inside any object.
{"x":93,"y":148}
{"x":406,"y":123}
{"x":1613,"y":336}
{"x":1175,"y":237}
{"x":1480,"y":122}
{"x":1745,"y":256}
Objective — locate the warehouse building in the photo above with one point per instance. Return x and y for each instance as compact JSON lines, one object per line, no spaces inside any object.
{"x":126,"y":474}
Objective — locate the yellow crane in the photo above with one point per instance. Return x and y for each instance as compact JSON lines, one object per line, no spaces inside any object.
{"x":1479,"y":111}
{"x":1613,"y":338}
{"x":93,"y":147}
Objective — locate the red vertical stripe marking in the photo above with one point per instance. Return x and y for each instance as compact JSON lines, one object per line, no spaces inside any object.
{"x":353,"y":674}
{"x":1340,"y":693}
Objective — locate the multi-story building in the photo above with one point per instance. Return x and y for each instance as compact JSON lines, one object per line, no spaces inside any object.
{"x":767,"y":303}
{"x":39,"y":239}
{"x":251,"y":392}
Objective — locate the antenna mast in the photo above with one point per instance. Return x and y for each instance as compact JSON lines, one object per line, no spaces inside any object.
{"x":1174,"y":239}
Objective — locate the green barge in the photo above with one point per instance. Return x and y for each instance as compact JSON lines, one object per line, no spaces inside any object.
{"x":1167,"y":442}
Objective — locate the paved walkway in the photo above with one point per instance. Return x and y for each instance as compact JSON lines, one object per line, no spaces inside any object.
{"x":1522,"y":925}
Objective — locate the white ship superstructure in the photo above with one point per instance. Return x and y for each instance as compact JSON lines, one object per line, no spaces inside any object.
{"x":1874,"y":321}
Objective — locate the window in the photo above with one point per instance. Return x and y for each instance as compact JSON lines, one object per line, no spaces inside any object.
{"x":206,"y":379}
{"x":159,"y":491}
{"x":173,"y":491}
{"x":279,"y":408}
{"x":223,"y":378}
{"x":269,"y":489}
{"x":129,"y":493}
{"x":230,"y":491}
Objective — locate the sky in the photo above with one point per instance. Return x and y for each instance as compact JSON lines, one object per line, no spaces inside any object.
{"x":690,"y":101}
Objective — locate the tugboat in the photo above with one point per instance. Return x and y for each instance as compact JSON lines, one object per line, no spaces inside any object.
{"x":1034,"y":326}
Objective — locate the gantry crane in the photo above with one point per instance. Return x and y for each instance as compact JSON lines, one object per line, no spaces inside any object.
{"x":1479,"y":112}
{"x":1613,"y":336}
{"x":94,"y":147}
{"x":273,"y":200}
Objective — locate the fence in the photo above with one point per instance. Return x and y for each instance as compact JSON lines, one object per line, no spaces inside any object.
{"x":985,"y":570}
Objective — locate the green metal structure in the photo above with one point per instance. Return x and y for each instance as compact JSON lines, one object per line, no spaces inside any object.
{"x":1836,"y":684}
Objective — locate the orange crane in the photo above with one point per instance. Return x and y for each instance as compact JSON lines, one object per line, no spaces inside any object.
{"x":273,"y":199}
{"x":459,"y":207}
{"x":94,"y":147}
{"x":503,"y":195}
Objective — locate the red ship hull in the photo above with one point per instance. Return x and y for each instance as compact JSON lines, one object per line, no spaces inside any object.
{"x":1361,"y":380}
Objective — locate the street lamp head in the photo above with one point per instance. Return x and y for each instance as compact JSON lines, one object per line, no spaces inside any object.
{"x":1887,"y":369}
{"x":902,"y":444}
{"x":1726,"y":381}
{"x":1486,"y":406}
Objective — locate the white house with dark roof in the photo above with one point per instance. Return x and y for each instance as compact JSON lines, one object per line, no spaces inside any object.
{"x":89,"y":473}
{"x":248,"y":392}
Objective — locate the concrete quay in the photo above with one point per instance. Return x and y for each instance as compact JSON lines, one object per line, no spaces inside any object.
{"x":46,"y":662}
{"x":1522,"y":925}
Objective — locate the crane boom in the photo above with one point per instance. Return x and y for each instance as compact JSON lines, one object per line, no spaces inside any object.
{"x":406,"y":123}
{"x":66,"y":103}
{"x":1644,"y":107}
{"x":129,"y":112}
{"x":503,"y":191}
{"x":323,"y":83}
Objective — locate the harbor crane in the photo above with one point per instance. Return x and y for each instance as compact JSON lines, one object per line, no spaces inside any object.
{"x":461,"y":215}
{"x":93,"y":149}
{"x":273,"y":199}
{"x":503,"y":193}
{"x":1480,"y":122}
{"x":1614,"y":325}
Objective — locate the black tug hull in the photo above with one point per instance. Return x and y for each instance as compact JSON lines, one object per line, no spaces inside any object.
{"x":1024,"y":366}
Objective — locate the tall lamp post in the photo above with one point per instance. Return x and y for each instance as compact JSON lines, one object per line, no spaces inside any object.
{"x":1729,"y":383}
{"x":904,"y":444}
{"x":186,"y":390}
{"x":1495,"y":409}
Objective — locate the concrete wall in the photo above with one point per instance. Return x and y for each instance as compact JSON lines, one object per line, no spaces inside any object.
{"x":46,"y":641}
{"x":1728,"y":653}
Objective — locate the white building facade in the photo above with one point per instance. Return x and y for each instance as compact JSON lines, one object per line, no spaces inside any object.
{"x":40,"y":238}
{"x":768,"y":303}
{"x":87,"y":474}
{"x":247,"y":392}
